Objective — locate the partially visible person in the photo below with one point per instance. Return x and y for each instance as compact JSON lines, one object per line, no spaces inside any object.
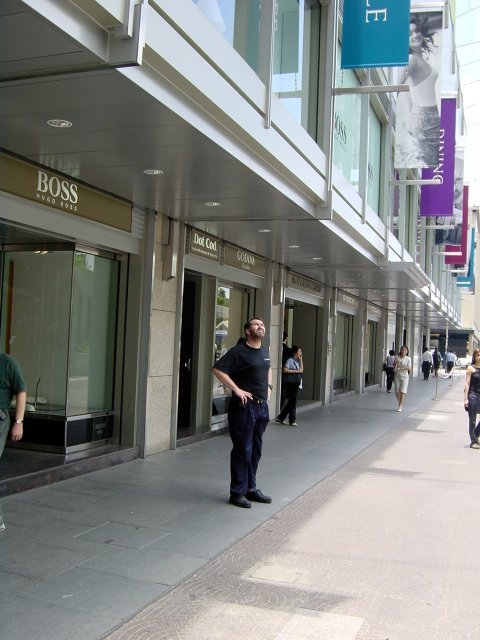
{"x":389,"y":369}
{"x":427,"y":363}
{"x":12,"y":385}
{"x":471,"y":398}
{"x":403,"y":365}
{"x":292,"y":375}
{"x":245,"y":369}
{"x":437,"y":361}
{"x":286,"y":354}
{"x":450,"y":359}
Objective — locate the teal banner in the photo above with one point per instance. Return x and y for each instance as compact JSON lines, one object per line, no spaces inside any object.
{"x":375,"y":33}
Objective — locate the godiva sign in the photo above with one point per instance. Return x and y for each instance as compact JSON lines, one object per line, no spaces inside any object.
{"x":242,"y":259}
{"x":62,"y":193}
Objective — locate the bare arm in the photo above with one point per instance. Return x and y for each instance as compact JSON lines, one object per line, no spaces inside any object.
{"x":226,"y":380}
{"x":470,"y":370}
{"x":17,"y":429}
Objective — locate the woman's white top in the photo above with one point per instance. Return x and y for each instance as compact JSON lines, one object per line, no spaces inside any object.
{"x":402,"y":365}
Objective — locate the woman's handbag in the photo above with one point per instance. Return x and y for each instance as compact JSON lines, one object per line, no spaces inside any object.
{"x":384,"y":366}
{"x":293,"y":378}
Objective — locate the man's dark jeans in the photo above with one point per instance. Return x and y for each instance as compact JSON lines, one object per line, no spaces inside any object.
{"x":247,"y":423}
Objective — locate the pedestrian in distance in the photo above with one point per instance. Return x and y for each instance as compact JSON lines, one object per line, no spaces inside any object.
{"x":471,"y":397}
{"x":286,"y":354}
{"x":427,"y":363}
{"x":292,"y":378}
{"x":389,"y":369}
{"x":437,"y":361}
{"x":12,"y":385}
{"x":245,"y":369}
{"x":449,"y":362}
{"x":403,"y":364}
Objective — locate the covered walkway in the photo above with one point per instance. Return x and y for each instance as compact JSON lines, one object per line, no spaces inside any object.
{"x":371,"y":534}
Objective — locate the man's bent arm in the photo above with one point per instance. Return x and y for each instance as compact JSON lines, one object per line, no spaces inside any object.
{"x":226,"y":380}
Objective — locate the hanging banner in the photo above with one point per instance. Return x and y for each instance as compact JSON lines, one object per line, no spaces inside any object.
{"x":375,"y":33}
{"x":417,"y":134}
{"x":463,"y":230}
{"x":453,"y":235}
{"x":469,"y":279}
{"x":437,"y":200}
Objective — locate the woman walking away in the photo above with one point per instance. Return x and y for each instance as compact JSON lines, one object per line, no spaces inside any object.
{"x":403,"y":365}
{"x":292,"y":375}
{"x":389,"y":364}
{"x":472,"y":398}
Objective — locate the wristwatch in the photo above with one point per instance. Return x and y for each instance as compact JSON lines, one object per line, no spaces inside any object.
{"x":17,"y":421}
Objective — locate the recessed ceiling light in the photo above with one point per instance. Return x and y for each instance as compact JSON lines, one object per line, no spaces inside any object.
{"x":294,"y":246}
{"x":264,"y":231}
{"x":153,"y":172}
{"x":59,"y":123}
{"x":212,"y":203}
{"x":316,"y":259}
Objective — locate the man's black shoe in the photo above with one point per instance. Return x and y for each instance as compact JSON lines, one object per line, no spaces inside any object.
{"x":240,"y":501}
{"x":257,"y":496}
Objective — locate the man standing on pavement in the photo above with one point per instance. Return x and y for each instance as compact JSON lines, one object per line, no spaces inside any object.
{"x":245,"y":369}
{"x":12,"y":384}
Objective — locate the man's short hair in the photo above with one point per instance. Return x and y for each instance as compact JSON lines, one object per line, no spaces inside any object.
{"x":248,"y":323}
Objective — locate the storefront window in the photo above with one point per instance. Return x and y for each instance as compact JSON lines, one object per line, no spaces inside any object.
{"x":296,"y":59}
{"x":58,"y":320}
{"x":346,"y":133}
{"x":374,"y":157}
{"x":92,"y":338}
{"x":36,"y":296}
{"x":239,"y":22}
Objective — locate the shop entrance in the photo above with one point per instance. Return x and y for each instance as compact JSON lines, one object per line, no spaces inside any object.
{"x":303,"y":324}
{"x":370,"y":353}
{"x":343,"y":354}
{"x":213,"y":315}
{"x":191,"y":297}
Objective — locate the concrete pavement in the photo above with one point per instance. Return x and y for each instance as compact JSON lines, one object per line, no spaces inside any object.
{"x":371,"y":534}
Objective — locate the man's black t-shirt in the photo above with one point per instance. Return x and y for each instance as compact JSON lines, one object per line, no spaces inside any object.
{"x":248,"y":368}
